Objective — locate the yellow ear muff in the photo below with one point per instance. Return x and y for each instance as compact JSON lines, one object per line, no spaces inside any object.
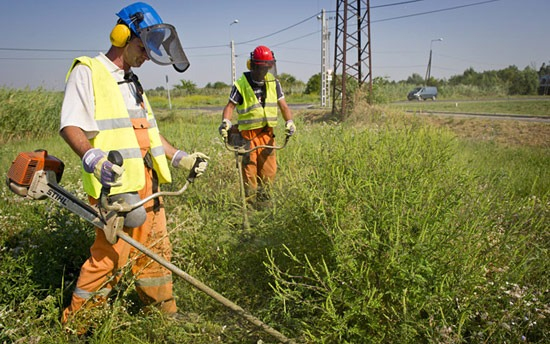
{"x":120,"y":35}
{"x":248,"y":64}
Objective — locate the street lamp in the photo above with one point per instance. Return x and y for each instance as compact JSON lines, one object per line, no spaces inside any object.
{"x":232,"y":46}
{"x":428,"y":71}
{"x":325,"y":37}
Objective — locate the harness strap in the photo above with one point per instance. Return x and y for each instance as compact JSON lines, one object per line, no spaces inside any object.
{"x":148,"y":162}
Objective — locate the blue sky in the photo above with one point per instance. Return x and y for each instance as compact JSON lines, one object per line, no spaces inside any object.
{"x":42,"y":37}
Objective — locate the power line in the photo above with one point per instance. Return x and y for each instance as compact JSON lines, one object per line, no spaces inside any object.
{"x":207,"y":47}
{"x":268,"y":35}
{"x":37,"y":58}
{"x":396,"y":3}
{"x":298,"y":62}
{"x":434,"y":11}
{"x":49,"y":50}
{"x":297,"y":38}
{"x":279,"y":31}
{"x":465,"y":60}
{"x":276,"y":32}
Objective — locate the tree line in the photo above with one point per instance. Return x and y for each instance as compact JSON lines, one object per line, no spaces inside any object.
{"x":508,"y":81}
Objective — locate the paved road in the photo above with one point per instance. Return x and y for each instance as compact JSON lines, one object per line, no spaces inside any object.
{"x":220,"y":108}
{"x":477,"y":100}
{"x":496,"y":116}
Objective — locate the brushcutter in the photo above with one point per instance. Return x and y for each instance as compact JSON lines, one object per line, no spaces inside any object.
{"x":36,"y":175}
{"x":240,"y":151}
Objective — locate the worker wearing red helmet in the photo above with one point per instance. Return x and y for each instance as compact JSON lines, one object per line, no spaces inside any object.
{"x":257,"y":96}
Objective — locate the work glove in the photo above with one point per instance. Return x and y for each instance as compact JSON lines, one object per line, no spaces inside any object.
{"x":95,"y":161}
{"x":187,"y":161}
{"x":290,"y":127}
{"x":224,"y":127}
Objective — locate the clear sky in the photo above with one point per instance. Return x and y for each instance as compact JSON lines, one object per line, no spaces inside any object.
{"x":42,"y":37}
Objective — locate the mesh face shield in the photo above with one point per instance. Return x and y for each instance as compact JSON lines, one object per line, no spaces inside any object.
{"x":259,"y":70}
{"x":163,"y":46}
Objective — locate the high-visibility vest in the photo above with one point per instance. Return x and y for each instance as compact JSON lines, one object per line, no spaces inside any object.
{"x":251,"y":114}
{"x":116,"y":132}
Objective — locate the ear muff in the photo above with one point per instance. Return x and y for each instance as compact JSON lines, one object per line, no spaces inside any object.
{"x":249,"y":61}
{"x":120,"y":35}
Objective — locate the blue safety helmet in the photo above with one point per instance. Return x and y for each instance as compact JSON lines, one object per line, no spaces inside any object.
{"x":159,"y":39}
{"x":139,"y":16}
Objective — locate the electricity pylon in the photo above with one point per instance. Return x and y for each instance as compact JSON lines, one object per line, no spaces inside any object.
{"x":352,"y":52}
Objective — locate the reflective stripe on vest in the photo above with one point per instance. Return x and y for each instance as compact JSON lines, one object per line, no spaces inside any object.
{"x":251,"y":114}
{"x":117,"y":133}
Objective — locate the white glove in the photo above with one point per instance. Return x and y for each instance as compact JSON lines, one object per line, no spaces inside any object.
{"x":95,"y":161}
{"x":224,"y":127}
{"x":290,"y":127}
{"x":183,"y":160}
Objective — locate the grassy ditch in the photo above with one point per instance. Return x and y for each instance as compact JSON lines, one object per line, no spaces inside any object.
{"x":390,"y":229}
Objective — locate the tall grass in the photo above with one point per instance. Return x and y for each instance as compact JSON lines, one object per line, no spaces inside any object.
{"x":384,"y":230}
{"x":392,"y":239}
{"x":26,"y":114}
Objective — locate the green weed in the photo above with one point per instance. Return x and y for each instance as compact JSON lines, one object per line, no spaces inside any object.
{"x":384,"y":230}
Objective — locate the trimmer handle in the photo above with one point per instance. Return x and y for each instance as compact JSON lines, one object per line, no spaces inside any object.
{"x":193,"y":174}
{"x":116,"y":158}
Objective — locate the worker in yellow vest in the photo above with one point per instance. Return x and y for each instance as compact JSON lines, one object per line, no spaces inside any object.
{"x":257,"y":96}
{"x":105,"y":109}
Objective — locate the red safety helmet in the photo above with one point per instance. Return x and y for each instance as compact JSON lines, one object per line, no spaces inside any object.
{"x":262,"y":56}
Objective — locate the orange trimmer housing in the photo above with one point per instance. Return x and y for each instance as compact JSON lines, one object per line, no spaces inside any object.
{"x":26,"y":164}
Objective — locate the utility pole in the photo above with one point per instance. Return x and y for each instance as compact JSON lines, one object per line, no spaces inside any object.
{"x":168,"y":90}
{"x":352,"y":57}
{"x":233,"y":67}
{"x":232,"y":46}
{"x":325,"y":38}
{"x":429,"y":69}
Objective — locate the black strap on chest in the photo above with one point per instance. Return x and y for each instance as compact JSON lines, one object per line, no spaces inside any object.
{"x":130,"y":77}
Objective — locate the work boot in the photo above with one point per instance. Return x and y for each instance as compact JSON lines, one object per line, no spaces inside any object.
{"x":250,"y":195}
{"x":263,"y":199}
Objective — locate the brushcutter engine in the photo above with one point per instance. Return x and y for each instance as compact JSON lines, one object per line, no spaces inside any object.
{"x":26,"y":165}
{"x":36,"y":175}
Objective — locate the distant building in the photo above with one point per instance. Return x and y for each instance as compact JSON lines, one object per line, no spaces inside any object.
{"x":544,"y":85}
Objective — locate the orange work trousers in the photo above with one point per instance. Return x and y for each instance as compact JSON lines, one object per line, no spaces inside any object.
{"x":260,"y":166}
{"x":102,"y":271}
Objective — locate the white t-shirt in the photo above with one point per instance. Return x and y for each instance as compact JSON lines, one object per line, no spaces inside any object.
{"x":78,"y":107}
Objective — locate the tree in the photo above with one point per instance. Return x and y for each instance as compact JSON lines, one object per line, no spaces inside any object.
{"x":525,"y":82}
{"x":544,"y":69}
{"x":509,"y":74}
{"x":432,"y":82}
{"x":415,"y":79}
{"x":287,"y":82}
{"x":313,"y":84}
{"x":217,"y":85}
{"x":187,"y":86}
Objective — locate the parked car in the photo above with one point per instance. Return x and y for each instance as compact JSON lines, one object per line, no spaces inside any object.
{"x":423,"y":93}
